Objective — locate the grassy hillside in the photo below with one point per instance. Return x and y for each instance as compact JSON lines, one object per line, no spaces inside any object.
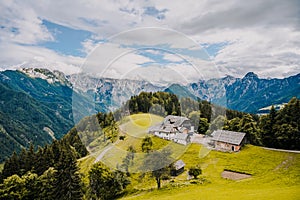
{"x":275,"y":175}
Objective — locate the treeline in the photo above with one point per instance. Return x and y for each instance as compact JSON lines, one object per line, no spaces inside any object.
{"x":163,"y":103}
{"x":278,"y":129}
{"x":157,"y":103}
{"x":52,"y":172}
{"x":281,"y":129}
{"x":48,"y":173}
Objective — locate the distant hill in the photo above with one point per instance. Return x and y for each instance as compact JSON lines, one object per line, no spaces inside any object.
{"x":34,"y":109}
{"x":180,"y":91}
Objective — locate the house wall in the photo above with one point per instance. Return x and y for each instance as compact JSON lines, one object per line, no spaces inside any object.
{"x":180,"y":141}
{"x":226,"y":147}
{"x":167,"y":136}
{"x":186,"y":131}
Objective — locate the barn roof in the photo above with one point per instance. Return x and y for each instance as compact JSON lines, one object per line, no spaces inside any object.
{"x":179,"y":164}
{"x":228,"y":136}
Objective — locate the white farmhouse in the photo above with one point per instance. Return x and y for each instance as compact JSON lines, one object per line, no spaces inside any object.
{"x":175,"y":128}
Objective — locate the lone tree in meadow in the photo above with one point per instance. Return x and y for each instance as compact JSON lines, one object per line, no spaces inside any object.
{"x":158,"y":163}
{"x":195,"y":171}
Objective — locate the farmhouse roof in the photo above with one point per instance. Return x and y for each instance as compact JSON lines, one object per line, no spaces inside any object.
{"x":228,"y":136}
{"x":175,"y":120}
{"x":154,"y":128}
{"x":179,"y":164}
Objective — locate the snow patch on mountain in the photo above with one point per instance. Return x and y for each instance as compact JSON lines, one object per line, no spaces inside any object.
{"x":51,"y":77}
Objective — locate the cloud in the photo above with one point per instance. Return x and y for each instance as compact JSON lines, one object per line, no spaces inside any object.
{"x":21,"y":27}
{"x":14,"y":56}
{"x":260,"y":50}
{"x":259,"y":36}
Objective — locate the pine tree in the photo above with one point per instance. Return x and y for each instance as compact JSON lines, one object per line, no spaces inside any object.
{"x":11,"y":166}
{"x":47,"y":184}
{"x":68,"y":181}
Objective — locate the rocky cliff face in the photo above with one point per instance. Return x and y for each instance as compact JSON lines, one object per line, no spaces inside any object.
{"x":247,"y":94}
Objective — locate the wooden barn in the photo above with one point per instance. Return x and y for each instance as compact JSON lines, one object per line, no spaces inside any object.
{"x":228,"y":140}
{"x":178,"y":168}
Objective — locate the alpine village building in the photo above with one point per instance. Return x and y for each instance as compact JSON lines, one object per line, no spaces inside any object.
{"x":228,"y":140}
{"x":174,"y":128}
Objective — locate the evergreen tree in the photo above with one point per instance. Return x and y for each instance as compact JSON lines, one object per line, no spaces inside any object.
{"x":233,"y":124}
{"x":68,"y":182}
{"x":47,"y":185}
{"x":248,"y":126}
{"x":105,"y":184}
{"x":73,"y":139}
{"x":203,"y":126}
{"x":11,"y":166}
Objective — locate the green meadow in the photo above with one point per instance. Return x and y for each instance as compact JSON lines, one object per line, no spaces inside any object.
{"x":274,"y":175}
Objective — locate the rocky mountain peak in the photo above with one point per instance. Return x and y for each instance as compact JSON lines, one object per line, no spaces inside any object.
{"x":51,"y":77}
{"x":250,"y":75}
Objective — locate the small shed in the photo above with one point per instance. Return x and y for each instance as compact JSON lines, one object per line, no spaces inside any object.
{"x":178,"y":168}
{"x":228,"y":140}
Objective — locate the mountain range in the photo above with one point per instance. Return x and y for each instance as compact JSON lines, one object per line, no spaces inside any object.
{"x":39,"y":105}
{"x":247,"y":94}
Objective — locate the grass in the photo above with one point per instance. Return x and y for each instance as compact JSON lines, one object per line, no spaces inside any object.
{"x":85,"y":165}
{"x":275,"y":175}
{"x":137,"y":125}
{"x":225,"y":192}
{"x":135,"y":128}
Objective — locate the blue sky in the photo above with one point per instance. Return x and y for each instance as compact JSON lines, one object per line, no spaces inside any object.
{"x":68,"y":41}
{"x":231,"y":37}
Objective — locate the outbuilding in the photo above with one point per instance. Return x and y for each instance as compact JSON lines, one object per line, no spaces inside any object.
{"x":224,"y":140}
{"x":178,"y":168}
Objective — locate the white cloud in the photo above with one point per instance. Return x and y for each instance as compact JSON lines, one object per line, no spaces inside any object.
{"x":261,"y":36}
{"x":21,"y":24}
{"x":13,"y":56}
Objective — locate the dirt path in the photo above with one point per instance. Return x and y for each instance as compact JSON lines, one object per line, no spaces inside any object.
{"x":234,"y":175}
{"x":105,"y":150}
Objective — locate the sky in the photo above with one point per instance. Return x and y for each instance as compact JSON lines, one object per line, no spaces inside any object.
{"x":161,"y":40}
